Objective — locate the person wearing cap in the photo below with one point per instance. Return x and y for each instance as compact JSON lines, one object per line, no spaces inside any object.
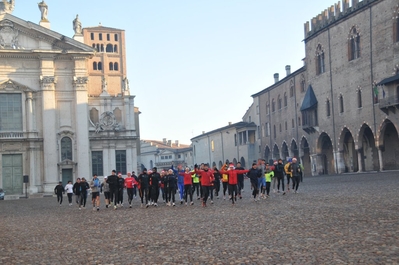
{"x":206,"y":177}
{"x":95,"y":186}
{"x":233,"y":180}
{"x":105,"y":189}
{"x":59,"y":190}
{"x":295,"y":170}
{"x":112,"y":181}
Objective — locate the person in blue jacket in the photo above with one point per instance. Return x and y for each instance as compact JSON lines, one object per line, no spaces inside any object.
{"x":180,"y":183}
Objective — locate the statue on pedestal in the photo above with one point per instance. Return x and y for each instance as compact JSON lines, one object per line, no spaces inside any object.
{"x":7,"y":6}
{"x":126,"y":84}
{"x":77,"y":26}
{"x":104,"y":85}
{"x":43,"y":7}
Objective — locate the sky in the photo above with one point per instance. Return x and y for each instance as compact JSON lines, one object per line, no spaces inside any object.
{"x":193,"y":64}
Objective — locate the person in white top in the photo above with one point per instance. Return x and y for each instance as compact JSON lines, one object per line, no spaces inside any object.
{"x":69,"y":190}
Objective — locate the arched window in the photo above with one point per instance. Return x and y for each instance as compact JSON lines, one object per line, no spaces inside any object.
{"x":291,"y":90}
{"x":354,"y":43}
{"x":111,"y":66}
{"x":94,"y":65}
{"x":286,"y":125}
{"x":303,"y":84}
{"x":328,"y":112}
{"x":273,"y":105}
{"x":285,"y":100}
{"x":66,"y":148}
{"x":293,"y":123}
{"x":92,"y":36}
{"x":116,"y":37}
{"x":109,"y":48}
{"x":100,"y":36}
{"x":102,"y":47}
{"x":341,"y":103}
{"x":279,"y":102}
{"x":115,"y":48}
{"x":100,"y":66}
{"x":108,"y":37}
{"x":274,"y":131}
{"x":359,"y":98}
{"x":280,"y":127}
{"x":320,"y":66}
{"x":267,"y":109}
{"x":116,"y":66}
{"x":94,"y":46}
{"x":299,"y":121}
{"x":98,"y":47}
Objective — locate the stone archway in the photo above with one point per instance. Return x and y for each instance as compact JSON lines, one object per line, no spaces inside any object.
{"x":367,"y":150}
{"x":267,"y":153}
{"x":235,"y":161}
{"x":294,"y":149}
{"x":284,"y":151}
{"x":347,"y":160}
{"x":305,"y":152}
{"x":276,"y":152}
{"x":389,"y":146}
{"x":242,"y":161}
{"x":325,"y":156}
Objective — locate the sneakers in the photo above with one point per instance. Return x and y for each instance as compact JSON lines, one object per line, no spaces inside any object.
{"x":173,"y":204}
{"x":98,"y":209}
{"x":115,"y":207}
{"x":155,"y":204}
{"x":191,"y":203}
{"x":186,"y":203}
{"x":130,"y":206}
{"x":211,"y":202}
{"x":148,"y":205}
{"x":283,"y":192}
{"x":94,"y":208}
{"x":80,"y":208}
{"x":181,"y":202}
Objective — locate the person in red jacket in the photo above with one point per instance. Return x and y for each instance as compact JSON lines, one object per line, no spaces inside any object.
{"x":206,"y":177}
{"x":129,"y":181}
{"x":188,"y":191}
{"x":233,"y":180}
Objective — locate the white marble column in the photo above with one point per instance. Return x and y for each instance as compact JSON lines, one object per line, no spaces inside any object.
{"x":49,"y":133}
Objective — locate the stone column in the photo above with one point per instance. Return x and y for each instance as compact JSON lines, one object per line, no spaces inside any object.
{"x":49,"y":132}
{"x":340,"y":163}
{"x":82,"y":156}
{"x":380,"y":161}
{"x":29,"y":112}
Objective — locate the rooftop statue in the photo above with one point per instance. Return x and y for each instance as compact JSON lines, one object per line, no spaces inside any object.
{"x":44,"y":9}
{"x":77,"y":25}
{"x":7,"y":6}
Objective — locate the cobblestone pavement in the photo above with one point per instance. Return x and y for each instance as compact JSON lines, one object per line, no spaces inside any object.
{"x":345,"y":219}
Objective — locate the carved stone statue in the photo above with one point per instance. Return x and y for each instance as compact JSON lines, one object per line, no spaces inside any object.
{"x":43,"y":7}
{"x":104,"y":85}
{"x":7,"y":6}
{"x":126,"y":84}
{"x":77,"y":25}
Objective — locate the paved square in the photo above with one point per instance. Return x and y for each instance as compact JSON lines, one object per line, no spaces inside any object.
{"x":345,"y":219}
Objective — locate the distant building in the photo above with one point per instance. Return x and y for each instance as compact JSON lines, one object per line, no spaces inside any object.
{"x":164,"y":154}
{"x":236,"y":142}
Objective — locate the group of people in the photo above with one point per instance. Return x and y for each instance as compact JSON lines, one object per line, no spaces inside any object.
{"x":202,"y":181}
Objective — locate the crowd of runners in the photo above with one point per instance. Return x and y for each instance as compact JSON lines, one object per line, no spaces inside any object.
{"x":203,"y":182}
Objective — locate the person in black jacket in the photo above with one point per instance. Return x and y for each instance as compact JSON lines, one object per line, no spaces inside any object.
{"x":112,"y":181}
{"x":216,"y":181}
{"x":59,"y":190}
{"x":84,"y":186}
{"x":144,"y":181}
{"x":155,"y":178}
{"x":121,"y":187}
{"x":254,"y":174}
{"x":76,"y":190}
{"x":279,"y":173}
{"x":171,"y":186}
{"x":240,"y":180}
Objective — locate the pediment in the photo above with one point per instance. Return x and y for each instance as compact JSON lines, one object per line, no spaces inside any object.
{"x":18,"y":34}
{"x":10,"y":85}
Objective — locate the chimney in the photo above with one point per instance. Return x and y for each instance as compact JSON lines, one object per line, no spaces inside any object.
{"x":203,"y":132}
{"x":230,"y":123}
{"x":177,"y":143}
{"x":288,"y":69}
{"x":164,"y":140}
{"x":170,"y":143}
{"x":276,"y":78}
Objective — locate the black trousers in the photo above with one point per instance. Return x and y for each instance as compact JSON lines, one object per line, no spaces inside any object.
{"x":170,"y":194}
{"x":144,"y":195}
{"x":69,"y":197}
{"x":240,"y":185}
{"x":295,"y":182}
{"x":196,"y":186}
{"x":225,"y":184}
{"x":120,"y":196}
{"x":217,"y":187}
{"x":130,"y":195}
{"x":233,"y":192}
{"x":114,"y":195}
{"x":155,"y":193}
{"x":59,"y":198}
{"x":188,"y":192}
{"x":205,"y":193}
{"x":83,"y":198}
{"x":280,"y":179}
{"x":254,"y":188}
{"x":268,"y":187}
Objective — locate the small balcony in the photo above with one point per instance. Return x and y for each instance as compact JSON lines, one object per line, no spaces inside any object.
{"x":17,"y":135}
{"x":390,"y":103}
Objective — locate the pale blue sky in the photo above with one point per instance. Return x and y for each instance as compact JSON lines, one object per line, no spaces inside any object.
{"x":193,"y":64}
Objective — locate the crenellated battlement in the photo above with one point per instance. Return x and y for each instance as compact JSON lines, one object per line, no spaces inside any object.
{"x":333,"y":14}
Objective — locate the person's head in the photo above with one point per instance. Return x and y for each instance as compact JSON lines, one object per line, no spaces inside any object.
{"x":129,"y":175}
{"x":144,"y":170}
{"x":267,"y":165}
{"x":114,"y":172}
{"x":187,"y":169}
{"x":254,"y":165}
{"x":238,"y":164}
{"x":60,"y":182}
{"x":69,"y":181}
{"x":83,"y":179}
{"x":231,"y":166}
{"x":78,"y":180}
{"x":170,"y":172}
{"x":205,"y":166}
{"x":294,"y":160}
{"x":119,"y":175}
{"x":133,"y":172}
{"x":154,"y":169}
{"x":94,"y":176}
{"x":105,"y":178}
{"x":275,"y":162}
{"x":280,"y":161}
